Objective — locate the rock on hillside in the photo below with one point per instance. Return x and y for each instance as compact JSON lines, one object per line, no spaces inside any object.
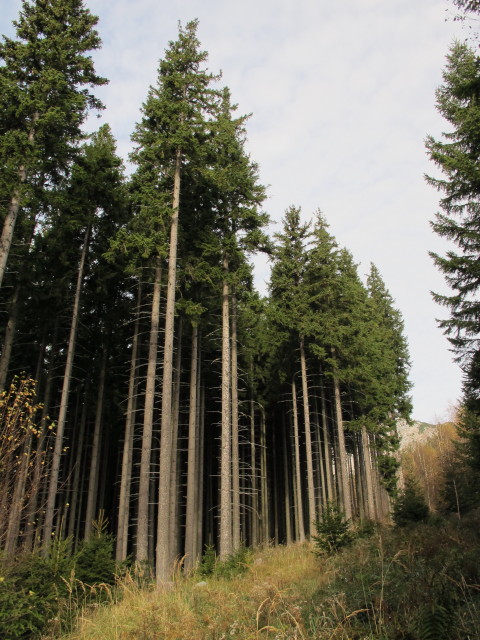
{"x":414,"y":433}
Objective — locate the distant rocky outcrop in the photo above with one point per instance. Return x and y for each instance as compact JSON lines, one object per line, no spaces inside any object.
{"x":414,"y":433}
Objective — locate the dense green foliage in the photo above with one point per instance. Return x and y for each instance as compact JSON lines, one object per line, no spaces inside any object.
{"x":333,"y":530}
{"x":409,"y":506}
{"x":46,"y":77}
{"x":38,"y":591}
{"x":211,"y":567}
{"x":95,"y":561}
{"x":404,"y":584}
{"x":457,"y":157}
{"x":131,"y":303}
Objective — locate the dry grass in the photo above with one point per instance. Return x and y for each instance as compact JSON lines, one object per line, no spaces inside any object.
{"x":265,"y":603}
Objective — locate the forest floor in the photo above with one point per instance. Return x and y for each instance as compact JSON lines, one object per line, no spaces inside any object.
{"x":413,"y":584}
{"x":265,"y":601}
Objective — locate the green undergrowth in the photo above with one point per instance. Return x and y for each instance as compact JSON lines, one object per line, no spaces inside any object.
{"x":417,"y":582}
{"x":40,"y":593}
{"x":420,"y":582}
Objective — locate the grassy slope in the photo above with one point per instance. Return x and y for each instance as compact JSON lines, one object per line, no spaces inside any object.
{"x":421,"y":583}
{"x":264,"y":602}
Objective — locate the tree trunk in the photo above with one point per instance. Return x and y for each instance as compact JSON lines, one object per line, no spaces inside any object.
{"x":357,"y":477}
{"x":286,"y":474}
{"x":264,"y":510}
{"x":18,"y":498}
{"x":298,"y":478}
{"x":367,"y":464}
{"x":225,"y":540}
{"x":308,"y":443}
{"x":95,"y":452}
{"x":78,"y":466}
{"x":275,"y":492}
{"x":147,"y":433}
{"x":33,"y":525}
{"x":319,"y":466}
{"x":192,"y":461}
{"x":9,"y":336}
{"x":127,"y":457}
{"x":164,"y":559}
{"x":199,"y":485}
{"x":342,"y":452}
{"x":57,"y":452}
{"x":235,"y":443}
{"x":13,"y":209}
{"x":175,"y":473}
{"x":327,"y":450}
{"x":253,"y":462}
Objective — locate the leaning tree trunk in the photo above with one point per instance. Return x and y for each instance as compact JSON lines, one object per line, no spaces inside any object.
{"x":9,"y":336}
{"x":308,"y":443}
{"x":163,"y":551}
{"x":13,"y":209}
{"x":146,"y":455}
{"x":225,"y":535}
{"x":11,"y":327}
{"x":127,"y":456}
{"x":9,"y":225}
{"x":62,"y":416}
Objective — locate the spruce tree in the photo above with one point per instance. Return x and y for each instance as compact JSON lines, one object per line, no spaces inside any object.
{"x":457,"y":156}
{"x":93,"y":202}
{"x":44,"y":98}
{"x":291,"y":313}
{"x":172,"y":134}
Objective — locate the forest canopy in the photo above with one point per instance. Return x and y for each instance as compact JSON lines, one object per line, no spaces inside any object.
{"x":168,"y":394}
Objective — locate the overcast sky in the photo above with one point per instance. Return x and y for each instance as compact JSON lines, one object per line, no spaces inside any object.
{"x":342,"y":95}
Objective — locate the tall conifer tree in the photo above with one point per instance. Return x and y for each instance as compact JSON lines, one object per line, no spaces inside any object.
{"x":172,"y":132}
{"x":44,"y":98}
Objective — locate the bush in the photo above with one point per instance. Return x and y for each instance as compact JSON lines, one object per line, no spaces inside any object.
{"x":95,"y":563}
{"x":404,"y":584}
{"x":38,"y":592}
{"x":235,"y":564}
{"x":365,"y":528}
{"x":410,"y":506}
{"x":32,"y":590}
{"x":333,"y":530}
{"x":208,"y":562}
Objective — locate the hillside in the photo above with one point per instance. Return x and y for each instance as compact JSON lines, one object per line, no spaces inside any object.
{"x":414,"y":433}
{"x":396,"y":584}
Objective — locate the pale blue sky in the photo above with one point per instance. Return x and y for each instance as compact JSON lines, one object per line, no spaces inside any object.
{"x":342,"y":96}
